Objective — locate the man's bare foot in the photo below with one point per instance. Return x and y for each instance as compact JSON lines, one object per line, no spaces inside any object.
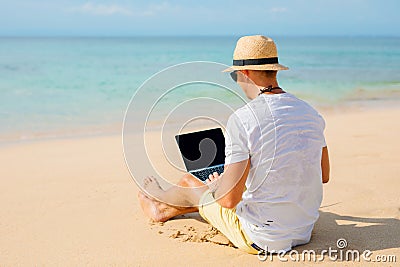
{"x":152,"y":187}
{"x":158,"y":211}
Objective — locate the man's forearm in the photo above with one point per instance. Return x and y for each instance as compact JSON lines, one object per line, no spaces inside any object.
{"x":325,"y":167}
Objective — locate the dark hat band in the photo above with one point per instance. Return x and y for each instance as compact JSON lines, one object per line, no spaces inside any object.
{"x":257,"y":61}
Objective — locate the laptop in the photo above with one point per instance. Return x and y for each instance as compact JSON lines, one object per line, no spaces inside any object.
{"x":203,"y":152}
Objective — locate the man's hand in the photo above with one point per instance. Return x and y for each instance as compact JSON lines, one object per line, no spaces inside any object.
{"x":213,"y":181}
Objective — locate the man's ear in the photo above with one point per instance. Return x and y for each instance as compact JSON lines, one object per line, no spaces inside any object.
{"x":245,"y":72}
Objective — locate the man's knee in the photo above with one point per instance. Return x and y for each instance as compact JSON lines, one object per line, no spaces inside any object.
{"x":188,"y":180}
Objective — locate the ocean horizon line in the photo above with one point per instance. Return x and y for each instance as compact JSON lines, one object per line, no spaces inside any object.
{"x":197,"y":36}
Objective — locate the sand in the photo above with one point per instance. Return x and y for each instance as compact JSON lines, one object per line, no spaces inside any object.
{"x":68,"y":202}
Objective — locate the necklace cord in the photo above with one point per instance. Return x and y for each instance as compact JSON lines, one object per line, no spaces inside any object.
{"x":268,"y":89}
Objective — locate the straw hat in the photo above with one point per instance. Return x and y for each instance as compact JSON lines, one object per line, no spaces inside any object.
{"x":255,"y":52}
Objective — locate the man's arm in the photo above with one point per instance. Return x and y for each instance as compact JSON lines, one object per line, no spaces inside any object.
{"x":231,"y":183}
{"x":325,"y":165}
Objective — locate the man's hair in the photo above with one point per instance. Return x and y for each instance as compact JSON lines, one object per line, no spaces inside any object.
{"x":270,"y":73}
{"x":267,"y":73}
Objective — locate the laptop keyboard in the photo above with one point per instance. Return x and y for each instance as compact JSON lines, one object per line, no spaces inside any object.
{"x":204,"y":173}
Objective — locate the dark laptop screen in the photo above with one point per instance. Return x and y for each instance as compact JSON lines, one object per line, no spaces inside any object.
{"x":202,"y":149}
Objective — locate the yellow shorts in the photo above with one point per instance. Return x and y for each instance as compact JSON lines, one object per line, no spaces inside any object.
{"x":226,"y":221}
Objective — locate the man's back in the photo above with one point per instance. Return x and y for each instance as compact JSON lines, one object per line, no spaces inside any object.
{"x":284,"y":137}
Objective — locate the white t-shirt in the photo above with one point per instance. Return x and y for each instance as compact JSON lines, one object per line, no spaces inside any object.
{"x":283,"y":136}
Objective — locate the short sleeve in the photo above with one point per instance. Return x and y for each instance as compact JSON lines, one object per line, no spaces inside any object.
{"x":236,"y":141}
{"x":323,"y":141}
{"x":323,"y":129}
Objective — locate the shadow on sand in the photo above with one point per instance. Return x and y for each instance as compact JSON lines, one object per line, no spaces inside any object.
{"x":360,"y":233}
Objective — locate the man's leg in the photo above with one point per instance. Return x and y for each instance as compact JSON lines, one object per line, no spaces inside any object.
{"x":185,"y":198}
{"x":225,"y":220}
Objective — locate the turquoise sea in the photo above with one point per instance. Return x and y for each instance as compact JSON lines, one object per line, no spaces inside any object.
{"x":72,"y":86}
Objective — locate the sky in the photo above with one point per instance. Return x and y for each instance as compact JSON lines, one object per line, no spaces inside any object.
{"x":201,"y":17}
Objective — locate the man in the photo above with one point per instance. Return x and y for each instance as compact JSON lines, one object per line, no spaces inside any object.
{"x":268,"y":197}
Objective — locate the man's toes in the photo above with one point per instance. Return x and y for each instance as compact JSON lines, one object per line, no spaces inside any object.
{"x":146,"y":181}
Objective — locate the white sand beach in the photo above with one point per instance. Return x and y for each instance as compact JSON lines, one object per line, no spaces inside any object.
{"x":69,"y":202}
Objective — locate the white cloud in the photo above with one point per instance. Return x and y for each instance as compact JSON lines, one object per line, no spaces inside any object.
{"x":278,"y":10}
{"x":103,"y":9}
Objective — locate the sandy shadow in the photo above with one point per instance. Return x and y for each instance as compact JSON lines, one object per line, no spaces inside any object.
{"x":360,"y":233}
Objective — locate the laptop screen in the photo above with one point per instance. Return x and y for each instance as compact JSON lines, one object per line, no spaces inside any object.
{"x":202,"y":149}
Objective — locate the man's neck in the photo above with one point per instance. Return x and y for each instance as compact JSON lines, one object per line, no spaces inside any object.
{"x":273,"y":83}
{"x":267,"y":83}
